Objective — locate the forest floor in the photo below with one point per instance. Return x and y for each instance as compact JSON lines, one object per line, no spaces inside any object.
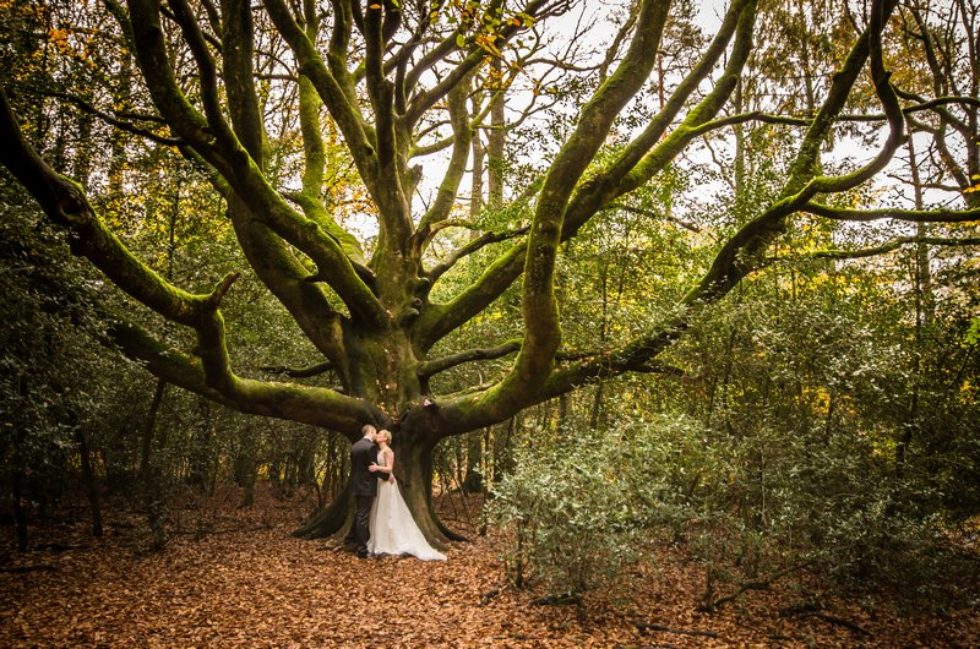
{"x":236,"y":578}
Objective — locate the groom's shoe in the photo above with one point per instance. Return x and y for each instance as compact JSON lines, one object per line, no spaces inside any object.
{"x":363,"y":554}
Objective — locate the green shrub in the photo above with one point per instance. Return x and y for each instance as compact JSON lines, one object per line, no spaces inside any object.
{"x":567,"y":517}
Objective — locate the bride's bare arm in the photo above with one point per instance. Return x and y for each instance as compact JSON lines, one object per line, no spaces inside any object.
{"x":390,"y":465}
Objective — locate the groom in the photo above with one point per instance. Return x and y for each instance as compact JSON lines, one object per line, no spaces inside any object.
{"x":364,"y":485}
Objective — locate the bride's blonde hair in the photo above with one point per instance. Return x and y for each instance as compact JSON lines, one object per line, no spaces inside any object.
{"x":384,"y":433}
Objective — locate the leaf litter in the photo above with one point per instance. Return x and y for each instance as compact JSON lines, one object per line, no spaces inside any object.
{"x":240,"y":580}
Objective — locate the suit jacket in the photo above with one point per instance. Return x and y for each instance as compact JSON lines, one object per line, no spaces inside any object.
{"x":362,"y":454}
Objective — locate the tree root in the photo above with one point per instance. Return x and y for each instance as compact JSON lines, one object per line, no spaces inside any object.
{"x":332,"y":521}
{"x":710,"y":606}
{"x":489,"y":595}
{"x":838,"y":621}
{"x":649,"y":626}
{"x":565,"y":599}
{"x":448,"y":533}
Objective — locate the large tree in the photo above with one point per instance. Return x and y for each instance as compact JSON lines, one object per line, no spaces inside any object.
{"x":401,"y":80}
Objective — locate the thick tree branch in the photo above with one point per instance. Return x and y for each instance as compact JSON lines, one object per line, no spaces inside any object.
{"x":310,"y":199}
{"x":437,"y":365}
{"x":314,"y":158}
{"x":457,"y":413}
{"x":65,"y":203}
{"x":807,"y":160}
{"x":299,"y":372}
{"x":392,"y":20}
{"x":732,"y":262}
{"x":343,"y":21}
{"x":360,"y":140}
{"x":242,"y":170}
{"x":211,"y":375}
{"x":889,"y":246}
{"x":274,"y":263}
{"x":152,"y":59}
{"x":638,"y":163}
{"x":307,"y":404}
{"x":540,"y":311}
{"x":738,"y":255}
{"x":238,"y":39}
{"x":593,"y":194}
{"x":449,"y":188}
{"x":914,"y":216}
{"x":379,"y":89}
{"x":208,"y":72}
{"x":471,"y":247}
{"x":437,"y":320}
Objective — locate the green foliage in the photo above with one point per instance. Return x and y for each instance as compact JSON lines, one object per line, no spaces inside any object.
{"x":845,"y":445}
{"x":51,"y":380}
{"x":567,"y":516}
{"x":972,"y":336}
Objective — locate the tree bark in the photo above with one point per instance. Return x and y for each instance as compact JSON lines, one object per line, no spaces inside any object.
{"x":333,"y":520}
{"x":19,"y":475}
{"x":923,"y":302}
{"x":474,"y":480}
{"x":150,"y":474}
{"x":92,"y":483}
{"x":496,"y":142}
{"x":246,"y":472}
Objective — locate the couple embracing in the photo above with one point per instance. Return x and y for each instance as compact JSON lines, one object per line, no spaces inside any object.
{"x":382,"y":522}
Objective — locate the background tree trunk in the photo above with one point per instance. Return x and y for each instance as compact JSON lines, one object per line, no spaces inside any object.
{"x":150,"y":473}
{"x":92,"y":484}
{"x":19,"y":475}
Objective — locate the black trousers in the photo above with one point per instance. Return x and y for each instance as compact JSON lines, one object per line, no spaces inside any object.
{"x":362,"y":531}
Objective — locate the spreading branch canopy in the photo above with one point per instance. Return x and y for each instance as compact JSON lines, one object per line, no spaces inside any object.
{"x":396,"y":82}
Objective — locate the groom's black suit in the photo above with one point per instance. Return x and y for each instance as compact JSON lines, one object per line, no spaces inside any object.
{"x":364,"y":485}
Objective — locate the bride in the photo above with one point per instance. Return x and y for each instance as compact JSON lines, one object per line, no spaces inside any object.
{"x":393,"y":530}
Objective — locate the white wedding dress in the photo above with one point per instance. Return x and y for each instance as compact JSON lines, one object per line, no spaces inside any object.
{"x":393,"y":530}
